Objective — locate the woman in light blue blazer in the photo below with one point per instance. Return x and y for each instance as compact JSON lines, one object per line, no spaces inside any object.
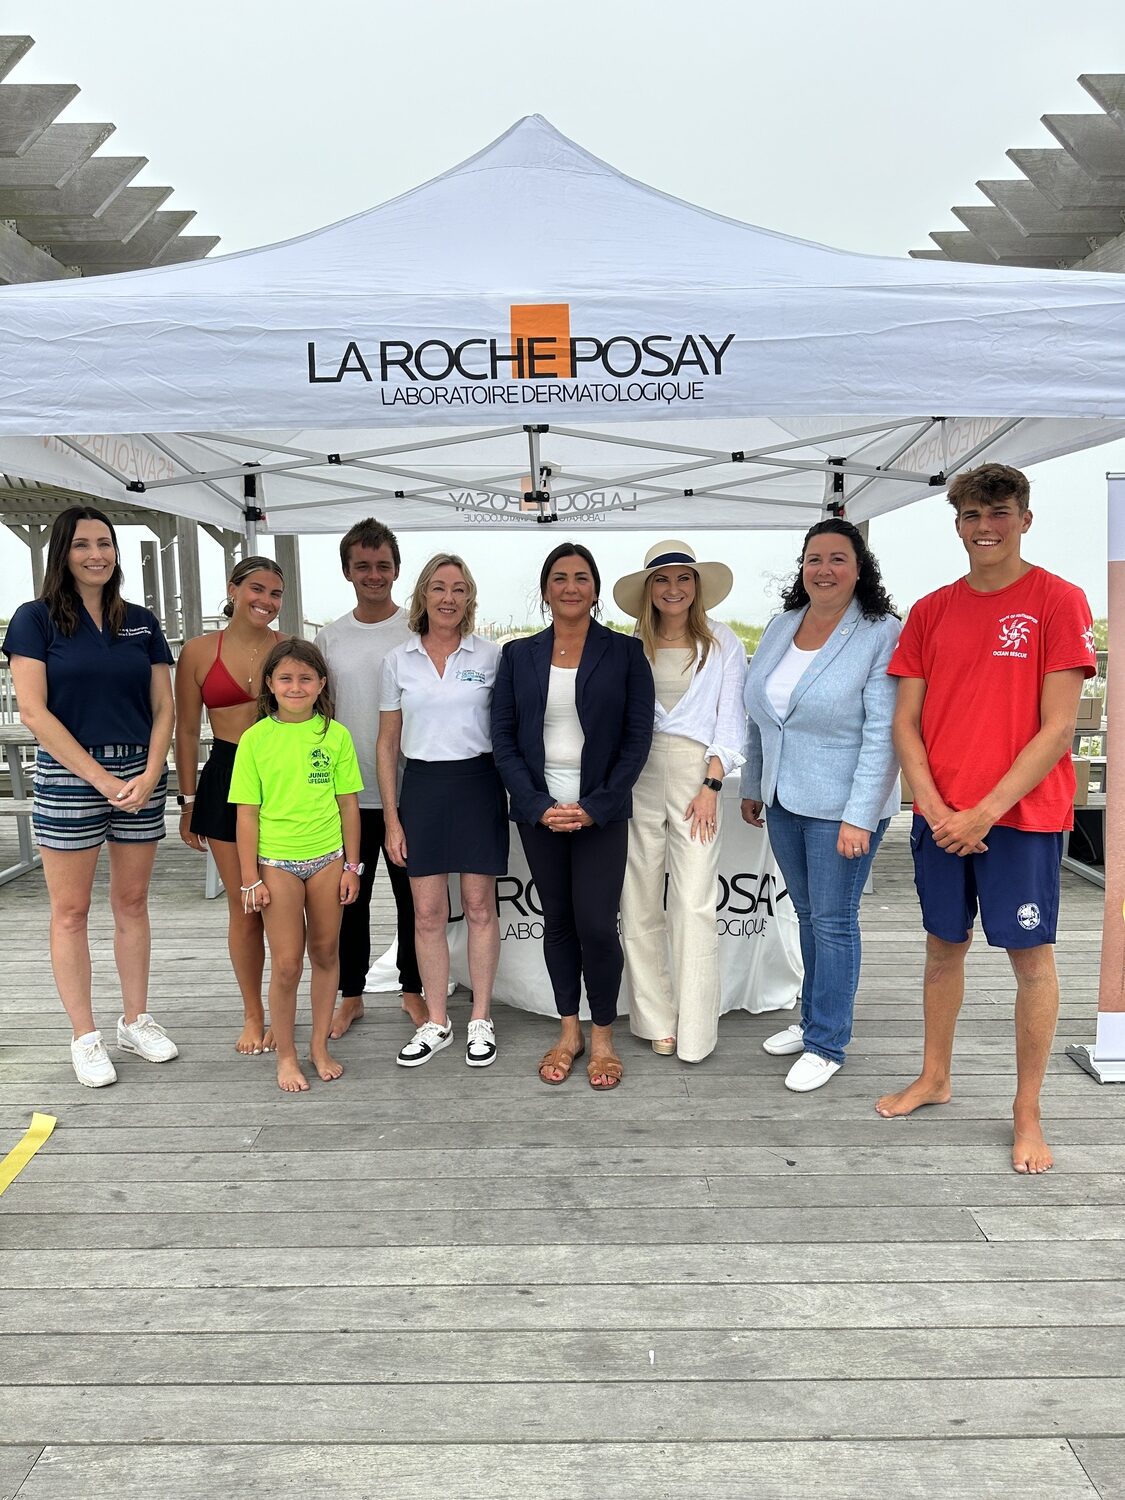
{"x":819,"y":758}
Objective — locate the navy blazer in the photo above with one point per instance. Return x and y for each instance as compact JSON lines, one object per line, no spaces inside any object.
{"x":615,"y":698}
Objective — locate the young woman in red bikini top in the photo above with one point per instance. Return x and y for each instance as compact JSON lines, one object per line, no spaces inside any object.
{"x":222,"y":673}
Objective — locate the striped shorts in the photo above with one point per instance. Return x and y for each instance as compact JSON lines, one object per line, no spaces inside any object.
{"x":69,"y":814}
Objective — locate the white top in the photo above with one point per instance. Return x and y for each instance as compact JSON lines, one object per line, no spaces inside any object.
{"x":671,"y":674}
{"x":562,"y":737}
{"x":711,"y":710}
{"x":443,"y":717}
{"x":785,"y":677}
{"x":355,"y":653}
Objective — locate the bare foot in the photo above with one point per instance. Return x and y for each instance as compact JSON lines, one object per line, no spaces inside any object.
{"x":250,"y":1041}
{"x":907,"y":1100}
{"x":268,"y":1043}
{"x":349,"y":1010}
{"x":1030,"y":1152}
{"x":415,"y":1007}
{"x":325,"y":1064}
{"x":290,"y":1079}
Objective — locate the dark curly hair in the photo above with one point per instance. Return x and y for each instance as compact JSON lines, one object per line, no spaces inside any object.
{"x":873,"y":598}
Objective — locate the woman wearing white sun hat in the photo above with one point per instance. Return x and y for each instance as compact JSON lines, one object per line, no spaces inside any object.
{"x":699,"y":665}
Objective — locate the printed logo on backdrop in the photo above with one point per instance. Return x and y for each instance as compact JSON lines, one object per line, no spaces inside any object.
{"x":747,"y":903}
{"x":540,"y":362}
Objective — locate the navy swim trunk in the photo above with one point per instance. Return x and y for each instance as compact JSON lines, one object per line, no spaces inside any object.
{"x":1015,"y":886}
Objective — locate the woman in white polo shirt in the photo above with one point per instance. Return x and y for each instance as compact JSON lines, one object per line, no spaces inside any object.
{"x":434,"y":702}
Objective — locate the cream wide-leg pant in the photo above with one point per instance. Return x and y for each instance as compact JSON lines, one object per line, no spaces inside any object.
{"x":672,"y":958}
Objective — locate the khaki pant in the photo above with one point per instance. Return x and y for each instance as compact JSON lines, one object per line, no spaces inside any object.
{"x":671,"y":959}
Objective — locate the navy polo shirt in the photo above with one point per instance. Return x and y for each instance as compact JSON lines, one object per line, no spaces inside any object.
{"x":98,"y":685}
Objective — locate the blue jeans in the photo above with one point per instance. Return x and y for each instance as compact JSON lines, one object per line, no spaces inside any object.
{"x":824,"y":888}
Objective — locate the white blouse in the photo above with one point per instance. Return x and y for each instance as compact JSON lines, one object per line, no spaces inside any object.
{"x":562,"y":737}
{"x":785,"y":677}
{"x":711,"y":710}
{"x":444,"y":717}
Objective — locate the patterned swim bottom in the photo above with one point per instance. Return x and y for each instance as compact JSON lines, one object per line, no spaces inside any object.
{"x":304,"y":869}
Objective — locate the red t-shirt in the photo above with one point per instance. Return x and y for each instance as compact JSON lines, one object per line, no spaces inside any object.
{"x":983,"y":658}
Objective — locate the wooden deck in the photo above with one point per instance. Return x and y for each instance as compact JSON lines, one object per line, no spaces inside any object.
{"x":455,"y":1284}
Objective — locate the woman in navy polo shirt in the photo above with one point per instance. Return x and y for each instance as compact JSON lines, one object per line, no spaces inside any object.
{"x":93,"y":686}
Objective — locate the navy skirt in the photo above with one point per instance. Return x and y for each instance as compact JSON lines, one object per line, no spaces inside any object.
{"x":455,"y":817}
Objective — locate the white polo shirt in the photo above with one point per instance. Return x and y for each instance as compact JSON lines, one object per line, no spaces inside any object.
{"x":443,"y":717}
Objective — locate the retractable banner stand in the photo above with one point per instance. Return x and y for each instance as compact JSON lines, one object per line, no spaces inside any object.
{"x":1106,"y":1058}
{"x":759,"y":945}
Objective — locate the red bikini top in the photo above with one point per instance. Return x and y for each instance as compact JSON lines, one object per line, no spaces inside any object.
{"x":219,"y":689}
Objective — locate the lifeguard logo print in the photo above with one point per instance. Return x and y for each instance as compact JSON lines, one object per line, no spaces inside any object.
{"x":1016,"y":635}
{"x":1028,"y":916}
{"x":320,"y":766}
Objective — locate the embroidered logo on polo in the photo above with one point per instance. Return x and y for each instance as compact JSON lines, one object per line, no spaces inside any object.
{"x":320,"y":766}
{"x":470,"y":674}
{"x":1028,"y":916}
{"x":1015,"y":635}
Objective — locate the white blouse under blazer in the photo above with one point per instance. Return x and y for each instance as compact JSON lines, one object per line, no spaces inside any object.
{"x":711,"y":710}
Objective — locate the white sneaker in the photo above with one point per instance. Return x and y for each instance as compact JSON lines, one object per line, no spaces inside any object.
{"x":480,"y":1045}
{"x":428,"y":1039}
{"x":783,"y":1043}
{"x":91,"y":1061}
{"x":148,"y":1040}
{"x":810,"y":1072}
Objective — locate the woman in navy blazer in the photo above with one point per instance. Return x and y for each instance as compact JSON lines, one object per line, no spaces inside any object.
{"x":572,"y":716}
{"x":819,"y":756}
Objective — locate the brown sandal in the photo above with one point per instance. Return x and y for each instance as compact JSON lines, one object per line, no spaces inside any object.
{"x":605,"y":1065}
{"x":560,"y":1057}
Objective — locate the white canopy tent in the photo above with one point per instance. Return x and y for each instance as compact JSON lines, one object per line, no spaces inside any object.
{"x":533,"y":333}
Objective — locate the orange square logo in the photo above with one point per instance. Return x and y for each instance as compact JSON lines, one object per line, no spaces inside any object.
{"x":541,"y":341}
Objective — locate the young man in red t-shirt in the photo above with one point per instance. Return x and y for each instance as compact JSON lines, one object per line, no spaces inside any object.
{"x":991,"y":670}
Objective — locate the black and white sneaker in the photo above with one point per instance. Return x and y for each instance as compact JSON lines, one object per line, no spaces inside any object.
{"x":480,"y":1047}
{"x":428,"y":1039}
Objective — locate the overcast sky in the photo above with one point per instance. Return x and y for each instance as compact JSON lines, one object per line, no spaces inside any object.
{"x":858,"y":126}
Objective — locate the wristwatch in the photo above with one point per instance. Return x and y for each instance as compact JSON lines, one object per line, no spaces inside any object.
{"x":185,"y":801}
{"x":354,"y":869}
{"x":713,"y":782}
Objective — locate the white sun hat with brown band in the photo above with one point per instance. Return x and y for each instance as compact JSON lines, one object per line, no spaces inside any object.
{"x":715,"y":579}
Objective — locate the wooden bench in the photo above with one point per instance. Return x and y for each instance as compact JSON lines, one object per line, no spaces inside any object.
{"x":20,"y":807}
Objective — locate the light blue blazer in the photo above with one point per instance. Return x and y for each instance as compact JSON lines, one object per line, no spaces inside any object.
{"x":831,"y":755}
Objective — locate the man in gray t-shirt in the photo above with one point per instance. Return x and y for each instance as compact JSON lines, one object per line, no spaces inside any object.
{"x":354,"y":647}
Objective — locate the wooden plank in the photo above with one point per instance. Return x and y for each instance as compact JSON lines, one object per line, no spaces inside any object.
{"x":505,"y":1264}
{"x":639,"y":1356}
{"x":117,"y":223}
{"x":669,"y":1306}
{"x":235,"y":1195}
{"x":708,"y":1411}
{"x":1073,"y":1223}
{"x":316,"y":1166}
{"x":54,"y":157}
{"x":89,"y":191}
{"x":1034,"y":1469}
{"x":26,"y":109}
{"x":639,"y":1227}
{"x":1103,"y":1460}
{"x":15,"y":1465}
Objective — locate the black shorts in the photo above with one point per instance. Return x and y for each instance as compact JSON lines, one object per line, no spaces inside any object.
{"x":212,"y":816}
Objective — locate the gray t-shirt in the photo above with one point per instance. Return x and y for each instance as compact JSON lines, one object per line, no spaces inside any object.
{"x":354,"y":653}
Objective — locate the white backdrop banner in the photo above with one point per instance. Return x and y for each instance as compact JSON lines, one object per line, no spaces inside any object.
{"x":759,"y":947}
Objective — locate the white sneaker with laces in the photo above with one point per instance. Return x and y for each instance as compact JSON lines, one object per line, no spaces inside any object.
{"x":148,"y":1040}
{"x":480,"y":1044}
{"x":428,"y":1039}
{"x":810,"y":1072}
{"x":91,"y":1061}
{"x":783,"y":1043}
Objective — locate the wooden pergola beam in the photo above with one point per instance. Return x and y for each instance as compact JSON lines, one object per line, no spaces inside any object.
{"x":55,"y":156}
{"x":28,"y":109}
{"x":88,"y":192}
{"x":117,"y":224}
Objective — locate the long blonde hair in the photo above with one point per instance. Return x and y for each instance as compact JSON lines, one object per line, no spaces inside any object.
{"x":699,"y":631}
{"x":417,"y":619}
